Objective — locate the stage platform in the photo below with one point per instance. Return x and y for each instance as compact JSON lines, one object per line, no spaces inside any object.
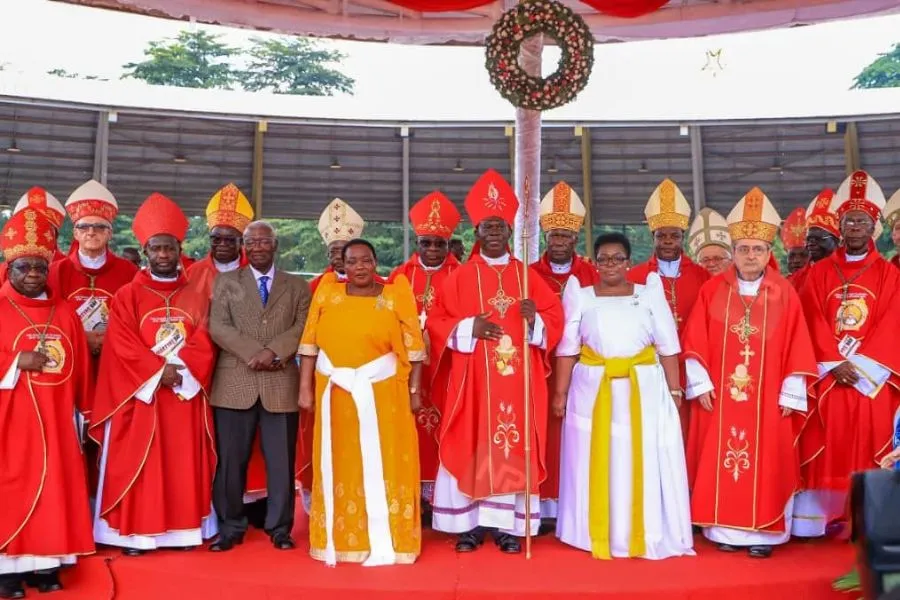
{"x":255,"y":570}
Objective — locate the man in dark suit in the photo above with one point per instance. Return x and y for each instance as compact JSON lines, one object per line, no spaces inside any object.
{"x":256,"y":318}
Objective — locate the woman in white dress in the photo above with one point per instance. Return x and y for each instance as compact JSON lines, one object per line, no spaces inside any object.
{"x":623,"y":485}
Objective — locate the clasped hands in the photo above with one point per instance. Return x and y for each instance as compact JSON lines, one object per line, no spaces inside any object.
{"x":484,"y":329}
{"x":845,"y":373}
{"x":265,"y":360}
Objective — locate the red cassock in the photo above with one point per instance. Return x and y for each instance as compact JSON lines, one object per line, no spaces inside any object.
{"x":681,"y":294}
{"x":848,"y":431}
{"x":160,"y":456}
{"x":586,"y":274}
{"x":201,"y":276}
{"x":482,"y":441}
{"x":426,"y":286}
{"x":42,"y":478}
{"x":798,"y":277}
{"x":743,"y":465}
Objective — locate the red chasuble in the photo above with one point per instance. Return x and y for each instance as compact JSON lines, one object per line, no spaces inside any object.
{"x":426,"y":285}
{"x":482,"y":441}
{"x":847,"y":431}
{"x":160,"y":457}
{"x":798,"y":277}
{"x":681,"y":292}
{"x":42,"y":479}
{"x":743,"y":466}
{"x":586,"y":274}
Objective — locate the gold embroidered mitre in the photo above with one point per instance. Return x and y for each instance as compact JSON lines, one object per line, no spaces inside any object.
{"x":561,"y":208}
{"x":340,"y":223}
{"x":667,"y":207}
{"x":891,"y":210}
{"x":754,"y":218}
{"x":708,"y":229}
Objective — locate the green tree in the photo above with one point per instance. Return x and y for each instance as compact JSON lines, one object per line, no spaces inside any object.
{"x":194,"y":59}
{"x":884,"y":72}
{"x":294,"y":66}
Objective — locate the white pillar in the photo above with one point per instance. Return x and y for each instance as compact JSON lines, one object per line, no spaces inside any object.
{"x":528,"y":162}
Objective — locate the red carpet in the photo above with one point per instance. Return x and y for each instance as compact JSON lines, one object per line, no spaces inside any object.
{"x":255,"y":570}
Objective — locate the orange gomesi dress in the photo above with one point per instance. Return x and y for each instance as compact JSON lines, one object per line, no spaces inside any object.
{"x":376,"y":339}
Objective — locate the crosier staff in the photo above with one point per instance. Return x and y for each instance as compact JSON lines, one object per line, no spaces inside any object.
{"x":526,"y":367}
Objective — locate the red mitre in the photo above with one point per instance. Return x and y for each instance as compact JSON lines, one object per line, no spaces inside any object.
{"x":41,"y":200}
{"x":92,"y":199}
{"x":793,"y":230}
{"x":491,"y":196}
{"x":28,"y":233}
{"x":819,"y":214}
{"x":859,"y":191}
{"x":159,"y":215}
{"x":434,"y":215}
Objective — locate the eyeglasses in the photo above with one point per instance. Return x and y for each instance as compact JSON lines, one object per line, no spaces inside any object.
{"x":858,"y":222}
{"x":611,"y":261}
{"x":264,"y":243}
{"x":713,"y":260}
{"x":98,"y":227}
{"x":439,"y":244}
{"x":754,"y":250}
{"x":26,"y":268}
{"x":222,"y":240}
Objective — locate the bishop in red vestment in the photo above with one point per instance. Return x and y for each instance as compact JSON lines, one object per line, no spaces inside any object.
{"x":434,"y":218}
{"x":822,"y":235}
{"x":668,"y":214}
{"x":710,"y":242}
{"x":793,"y":238}
{"x":748,"y":354}
{"x":561,"y":217}
{"x":477,"y":328}
{"x":151,"y":414}
{"x":45,"y":369}
{"x":853,"y":308}
{"x":44,"y":202}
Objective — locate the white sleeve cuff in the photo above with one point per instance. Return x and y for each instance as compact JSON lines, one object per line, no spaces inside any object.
{"x":189,"y":387}
{"x":537,"y":333}
{"x":145,"y":394}
{"x":462,"y":339}
{"x":11,"y":378}
{"x":793,"y":393}
{"x":698,"y":381}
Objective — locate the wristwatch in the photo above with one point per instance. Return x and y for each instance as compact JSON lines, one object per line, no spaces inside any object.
{"x":413,"y":389}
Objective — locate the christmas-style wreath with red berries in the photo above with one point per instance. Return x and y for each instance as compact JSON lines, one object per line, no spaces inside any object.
{"x":554,"y":20}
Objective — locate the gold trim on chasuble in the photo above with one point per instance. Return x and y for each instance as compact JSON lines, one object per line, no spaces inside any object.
{"x":735,"y":458}
{"x":504,"y":359}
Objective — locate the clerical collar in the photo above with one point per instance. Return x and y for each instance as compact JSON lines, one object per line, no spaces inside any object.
{"x":560,"y":269}
{"x":856,"y":257}
{"x":496,"y":262}
{"x":89,"y":262}
{"x":427,"y":268}
{"x":749,"y":288}
{"x":41,"y":296}
{"x":156,"y":277}
{"x":669,"y":268}
{"x":341,"y":276}
{"x":227,"y":267}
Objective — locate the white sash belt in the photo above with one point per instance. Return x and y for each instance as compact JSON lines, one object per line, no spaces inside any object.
{"x":358,"y":382}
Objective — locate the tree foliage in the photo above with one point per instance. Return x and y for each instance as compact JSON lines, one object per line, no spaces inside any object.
{"x":884,"y":72}
{"x":293,"y":66}
{"x":283,"y":65}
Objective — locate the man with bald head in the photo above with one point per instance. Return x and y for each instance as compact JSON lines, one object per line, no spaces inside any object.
{"x":257,"y":315}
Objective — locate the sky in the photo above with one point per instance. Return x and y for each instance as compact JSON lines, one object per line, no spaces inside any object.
{"x":799,"y":62}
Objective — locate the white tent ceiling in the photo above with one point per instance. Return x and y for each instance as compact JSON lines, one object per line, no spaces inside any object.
{"x":381,"y":20}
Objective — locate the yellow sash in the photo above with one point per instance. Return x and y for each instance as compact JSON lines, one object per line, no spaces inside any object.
{"x":601,"y":432}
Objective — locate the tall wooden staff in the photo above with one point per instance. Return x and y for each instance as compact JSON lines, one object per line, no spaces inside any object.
{"x":526,"y":368}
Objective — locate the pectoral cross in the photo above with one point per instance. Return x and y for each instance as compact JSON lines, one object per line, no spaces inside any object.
{"x":747,"y":353}
{"x":502,"y":302}
{"x":743,"y":329}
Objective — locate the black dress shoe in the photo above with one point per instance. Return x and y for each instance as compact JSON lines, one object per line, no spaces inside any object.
{"x":225,"y":543}
{"x":256,"y":513}
{"x":726,"y":548}
{"x":760,"y":551}
{"x":133,"y":552}
{"x":508,"y":544}
{"x":283,"y":542}
{"x":44,"y":582}
{"x":469,"y":541}
{"x":11,"y":586}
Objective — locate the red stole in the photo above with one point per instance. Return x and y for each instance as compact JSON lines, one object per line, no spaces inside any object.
{"x":160,"y":457}
{"x":847,"y":432}
{"x":42,"y":478}
{"x":586,"y":274}
{"x":426,"y":285}
{"x":743,"y":466}
{"x":681,"y":291}
{"x":482,"y":431}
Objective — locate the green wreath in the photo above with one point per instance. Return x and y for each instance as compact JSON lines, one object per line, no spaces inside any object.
{"x":554,"y":20}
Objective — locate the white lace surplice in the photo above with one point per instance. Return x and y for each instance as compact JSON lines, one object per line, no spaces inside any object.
{"x":622,"y":327}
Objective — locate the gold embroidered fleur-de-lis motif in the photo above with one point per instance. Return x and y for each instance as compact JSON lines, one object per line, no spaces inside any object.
{"x":737,"y":458}
{"x":506,"y":434}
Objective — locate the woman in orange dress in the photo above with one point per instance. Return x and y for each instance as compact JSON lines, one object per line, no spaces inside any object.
{"x":361,"y":355}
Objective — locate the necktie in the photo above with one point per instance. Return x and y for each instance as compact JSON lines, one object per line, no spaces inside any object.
{"x":264,"y":289}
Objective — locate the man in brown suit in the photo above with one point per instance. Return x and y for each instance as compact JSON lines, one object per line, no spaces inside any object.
{"x":257,"y":317}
